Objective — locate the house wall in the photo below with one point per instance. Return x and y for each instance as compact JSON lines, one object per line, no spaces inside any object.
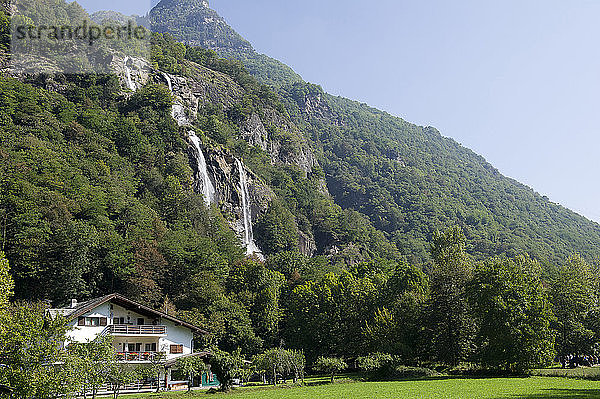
{"x":87,"y":334}
{"x":130,"y":316}
{"x":176,"y":335}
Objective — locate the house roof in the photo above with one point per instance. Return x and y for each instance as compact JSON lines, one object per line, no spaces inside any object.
{"x":87,"y":306}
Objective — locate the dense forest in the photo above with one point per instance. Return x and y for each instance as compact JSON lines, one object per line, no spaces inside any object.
{"x":424,"y":253}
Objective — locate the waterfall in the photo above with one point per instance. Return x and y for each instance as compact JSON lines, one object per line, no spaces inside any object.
{"x":208,"y":189}
{"x":177,"y":110}
{"x":169,"y":82}
{"x":178,"y":113}
{"x":130,"y":83}
{"x":248,"y":238}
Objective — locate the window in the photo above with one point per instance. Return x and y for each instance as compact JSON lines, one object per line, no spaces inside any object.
{"x":92,"y":321}
{"x":150,"y":347}
{"x":119,"y":320}
{"x":130,"y":347}
{"x":176,"y":349}
{"x":140,"y":321}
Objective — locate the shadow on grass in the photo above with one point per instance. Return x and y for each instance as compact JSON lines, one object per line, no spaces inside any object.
{"x":563,"y":394}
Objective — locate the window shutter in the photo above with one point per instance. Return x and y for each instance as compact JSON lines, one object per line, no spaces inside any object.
{"x":81,"y":321}
{"x":103,"y":321}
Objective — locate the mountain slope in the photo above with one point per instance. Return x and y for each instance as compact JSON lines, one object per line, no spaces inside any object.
{"x":408,"y":180}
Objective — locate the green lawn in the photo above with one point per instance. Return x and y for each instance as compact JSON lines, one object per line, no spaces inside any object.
{"x":449,"y":388}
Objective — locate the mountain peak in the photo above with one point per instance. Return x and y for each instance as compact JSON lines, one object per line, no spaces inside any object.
{"x":195,"y":23}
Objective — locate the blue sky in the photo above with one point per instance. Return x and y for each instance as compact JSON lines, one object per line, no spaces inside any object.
{"x":516,"y":81}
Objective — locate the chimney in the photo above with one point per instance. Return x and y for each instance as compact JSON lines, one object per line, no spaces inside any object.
{"x":73,"y":303}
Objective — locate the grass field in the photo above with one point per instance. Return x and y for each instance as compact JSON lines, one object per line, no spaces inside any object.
{"x":446,"y":388}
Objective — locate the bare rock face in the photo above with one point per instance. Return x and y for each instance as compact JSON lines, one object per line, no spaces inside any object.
{"x":306,"y":244}
{"x":254,"y":132}
{"x":133,"y":72}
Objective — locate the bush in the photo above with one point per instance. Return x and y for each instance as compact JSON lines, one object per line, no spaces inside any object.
{"x":383,"y":366}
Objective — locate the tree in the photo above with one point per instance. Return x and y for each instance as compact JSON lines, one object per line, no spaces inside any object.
{"x":6,"y":287}
{"x":6,"y":282}
{"x":575,"y":301}
{"x":192,"y":366}
{"x":258,"y":288}
{"x":449,"y":325}
{"x":270,"y":362}
{"x":156,"y":368}
{"x":121,"y":374}
{"x":395,"y":327}
{"x":91,"y":362}
{"x":31,"y":348}
{"x":282,"y":362}
{"x":330,"y":365}
{"x":225,"y":365}
{"x":277,"y":230}
{"x":323,"y":316}
{"x":513,"y":313}
{"x":297,"y":361}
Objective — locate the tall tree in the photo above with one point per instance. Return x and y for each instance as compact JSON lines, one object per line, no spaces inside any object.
{"x":513,"y":313}
{"x":396,"y":326}
{"x":450,"y":326}
{"x":575,"y":302}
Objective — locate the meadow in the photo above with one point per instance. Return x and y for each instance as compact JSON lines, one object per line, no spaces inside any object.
{"x":440,"y":388}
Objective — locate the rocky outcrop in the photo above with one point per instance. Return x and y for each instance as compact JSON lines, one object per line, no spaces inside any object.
{"x":306,"y":244}
{"x":316,"y":106}
{"x":133,"y":72}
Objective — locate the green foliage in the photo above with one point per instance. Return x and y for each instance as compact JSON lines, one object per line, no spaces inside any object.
{"x":4,"y":31}
{"x":449,"y":323}
{"x":192,"y":366}
{"x":276,"y":230}
{"x":514,"y":314}
{"x":31,"y":350}
{"x":225,"y":366}
{"x":574,"y":301}
{"x":382,"y":366}
{"x":6,"y":282}
{"x":118,"y":375}
{"x":396,"y":326}
{"x":323,"y":316}
{"x":89,"y":364}
{"x":280,"y":362}
{"x":330,"y":365}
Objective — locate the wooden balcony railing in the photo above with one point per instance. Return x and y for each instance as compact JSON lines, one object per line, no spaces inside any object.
{"x":118,"y":329}
{"x":139,"y":356}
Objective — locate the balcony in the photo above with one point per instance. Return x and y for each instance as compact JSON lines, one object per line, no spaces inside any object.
{"x":139,"y":356}
{"x":123,"y":329}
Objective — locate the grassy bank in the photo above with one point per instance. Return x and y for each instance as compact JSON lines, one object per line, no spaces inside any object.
{"x":579,"y":372}
{"x":443,"y":388}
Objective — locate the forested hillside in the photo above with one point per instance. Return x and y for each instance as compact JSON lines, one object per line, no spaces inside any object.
{"x":408,"y":180}
{"x":382,"y":241}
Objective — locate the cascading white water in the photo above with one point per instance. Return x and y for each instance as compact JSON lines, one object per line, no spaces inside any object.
{"x":177,"y":110}
{"x":178,"y":113}
{"x":248,"y":239}
{"x":208,"y":189}
{"x":169,"y":82}
{"x":130,"y":84}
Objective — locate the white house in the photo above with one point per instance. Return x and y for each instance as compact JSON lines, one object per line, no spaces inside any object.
{"x":138,"y":332}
